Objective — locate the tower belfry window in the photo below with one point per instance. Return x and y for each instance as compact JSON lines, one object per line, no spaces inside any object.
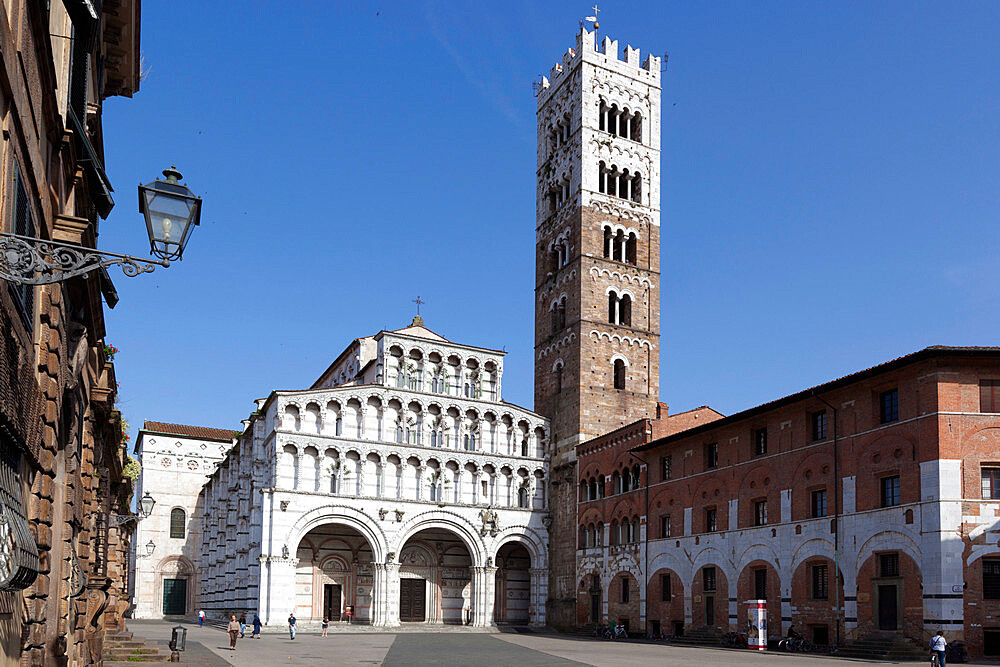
{"x":619,"y":373}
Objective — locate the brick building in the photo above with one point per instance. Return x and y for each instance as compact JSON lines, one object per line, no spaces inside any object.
{"x":63,"y":568}
{"x":681,"y":522}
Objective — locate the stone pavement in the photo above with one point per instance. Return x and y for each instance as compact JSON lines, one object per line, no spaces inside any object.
{"x":209,"y":647}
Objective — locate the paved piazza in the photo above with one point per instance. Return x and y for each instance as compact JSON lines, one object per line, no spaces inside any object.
{"x":210,"y":648}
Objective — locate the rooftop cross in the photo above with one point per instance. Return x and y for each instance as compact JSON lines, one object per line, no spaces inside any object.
{"x":419,"y":302}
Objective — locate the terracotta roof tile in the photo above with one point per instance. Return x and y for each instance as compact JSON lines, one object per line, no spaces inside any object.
{"x":190,"y":431}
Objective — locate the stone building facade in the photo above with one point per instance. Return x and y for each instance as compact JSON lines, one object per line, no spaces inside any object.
{"x":63,"y":573}
{"x":902,"y":457}
{"x":176,"y":461}
{"x":400,"y":485}
{"x":597,"y":268}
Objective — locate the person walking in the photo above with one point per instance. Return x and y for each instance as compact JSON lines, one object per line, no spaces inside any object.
{"x":201,"y":617}
{"x":243,"y":625}
{"x":326,"y":626}
{"x":256,"y":626}
{"x":939,"y":646}
{"x":291,"y":625}
{"x":234,"y":630}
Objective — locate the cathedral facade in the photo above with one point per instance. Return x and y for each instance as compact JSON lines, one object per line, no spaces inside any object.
{"x":399,"y":487}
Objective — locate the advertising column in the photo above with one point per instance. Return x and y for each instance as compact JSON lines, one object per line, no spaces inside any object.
{"x":757,"y":625}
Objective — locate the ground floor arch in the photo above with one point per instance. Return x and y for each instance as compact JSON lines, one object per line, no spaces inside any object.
{"x":435,"y":579}
{"x":334,"y":574}
{"x":512,"y":604}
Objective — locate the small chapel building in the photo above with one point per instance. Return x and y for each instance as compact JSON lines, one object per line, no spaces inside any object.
{"x":399,"y":486}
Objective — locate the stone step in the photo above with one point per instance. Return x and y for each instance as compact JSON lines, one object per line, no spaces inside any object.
{"x":134,"y":653}
{"x":119,"y":635}
{"x":117,"y":643}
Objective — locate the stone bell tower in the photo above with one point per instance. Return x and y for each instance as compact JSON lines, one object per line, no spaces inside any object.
{"x":597,"y":267}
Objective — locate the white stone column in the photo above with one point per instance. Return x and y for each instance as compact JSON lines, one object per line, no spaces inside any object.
{"x":734,"y":603}
{"x":539,"y":593}
{"x":380,"y":479}
{"x":378,"y":614}
{"x":390,"y":595}
{"x":277,"y":588}
{"x":483,"y":595}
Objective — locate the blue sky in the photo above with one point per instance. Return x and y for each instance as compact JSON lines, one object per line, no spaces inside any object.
{"x":829,"y":189}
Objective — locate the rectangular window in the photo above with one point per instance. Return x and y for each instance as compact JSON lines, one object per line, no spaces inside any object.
{"x":760,"y":584}
{"x":820,"y":582}
{"x":665,"y":526}
{"x":759,"y":441}
{"x":888,"y":565}
{"x":888,"y":403}
{"x":819,"y":425}
{"x":991,"y":579}
{"x":666,"y":467}
{"x":22,"y":224}
{"x":991,"y":483}
{"x":624,"y":589}
{"x":890,"y":491}
{"x":712,"y":455}
{"x":665,"y":588}
{"x":708,"y":579}
{"x":818,"y":503}
{"x":989,"y":395}
{"x":711,"y":523}
{"x":760,"y":513}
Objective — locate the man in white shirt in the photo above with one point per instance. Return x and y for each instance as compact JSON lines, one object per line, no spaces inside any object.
{"x":201,"y":618}
{"x":938,"y":646}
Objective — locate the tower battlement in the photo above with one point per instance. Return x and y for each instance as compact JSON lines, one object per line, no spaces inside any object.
{"x":606,"y":54}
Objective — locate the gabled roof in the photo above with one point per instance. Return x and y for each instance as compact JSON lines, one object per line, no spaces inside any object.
{"x":200,"y":432}
{"x":417,"y":329}
{"x":892,"y":364}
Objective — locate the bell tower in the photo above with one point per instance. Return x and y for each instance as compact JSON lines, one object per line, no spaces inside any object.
{"x":597,"y":267}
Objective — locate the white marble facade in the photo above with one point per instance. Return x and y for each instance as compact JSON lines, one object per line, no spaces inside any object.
{"x":176,"y":460}
{"x":400,"y":484}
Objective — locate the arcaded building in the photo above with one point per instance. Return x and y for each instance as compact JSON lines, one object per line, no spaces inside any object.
{"x":888,"y":476}
{"x":400,"y":485}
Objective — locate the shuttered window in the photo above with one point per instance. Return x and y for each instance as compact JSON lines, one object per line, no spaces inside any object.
{"x":177,"y":519}
{"x":989,"y":395}
{"x":23,"y":224}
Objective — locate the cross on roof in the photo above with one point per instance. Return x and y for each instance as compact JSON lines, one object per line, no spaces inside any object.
{"x":419,"y":302}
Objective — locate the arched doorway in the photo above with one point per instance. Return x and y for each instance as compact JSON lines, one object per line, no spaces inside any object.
{"x":513,"y":585}
{"x":435,"y":579}
{"x":334,"y":572}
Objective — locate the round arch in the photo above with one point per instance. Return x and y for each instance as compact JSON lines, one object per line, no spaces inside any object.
{"x":354,"y":518}
{"x":462,"y":529}
{"x":526,"y":538}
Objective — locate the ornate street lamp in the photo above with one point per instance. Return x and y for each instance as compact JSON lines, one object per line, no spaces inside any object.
{"x":171,"y":210}
{"x":145,"y":509}
{"x":150,"y":548}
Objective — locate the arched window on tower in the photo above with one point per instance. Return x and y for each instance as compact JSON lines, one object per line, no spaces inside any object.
{"x":630,"y":249}
{"x":608,"y":240}
{"x":616,"y":483}
{"x":177,"y":523}
{"x":619,"y":246}
{"x":602,"y":175}
{"x":636,"y":188}
{"x":612,"y":308}
{"x":600,"y":486}
{"x":614,"y":533}
{"x":522,"y":497}
{"x":592,"y":489}
{"x":635,"y":132}
{"x":558,"y":370}
{"x":625,"y":310}
{"x":524,"y":446}
{"x":619,"y":374}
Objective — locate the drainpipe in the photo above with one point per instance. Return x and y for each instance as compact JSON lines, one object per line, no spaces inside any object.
{"x":836,"y":515}
{"x":645,"y":544}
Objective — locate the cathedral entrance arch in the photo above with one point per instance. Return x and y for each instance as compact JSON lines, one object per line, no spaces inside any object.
{"x":334,"y":571}
{"x":513,"y":585}
{"x":435,"y":578}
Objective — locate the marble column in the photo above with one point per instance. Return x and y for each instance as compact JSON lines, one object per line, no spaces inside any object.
{"x":277,"y":589}
{"x":389,"y":595}
{"x":483,"y":595}
{"x":538,"y":594}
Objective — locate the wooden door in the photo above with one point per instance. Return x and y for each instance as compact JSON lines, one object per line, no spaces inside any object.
{"x":331,"y":601}
{"x":411,"y":600}
{"x":710,"y":610}
{"x":888,"y":610}
{"x":174,"y":597}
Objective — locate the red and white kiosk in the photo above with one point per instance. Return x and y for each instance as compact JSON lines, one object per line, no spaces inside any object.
{"x":757,"y":625}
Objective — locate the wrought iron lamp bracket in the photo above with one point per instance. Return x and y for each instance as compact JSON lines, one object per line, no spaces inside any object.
{"x":29,"y":261}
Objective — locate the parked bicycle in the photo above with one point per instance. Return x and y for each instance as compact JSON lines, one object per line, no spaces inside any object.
{"x":734,"y":640}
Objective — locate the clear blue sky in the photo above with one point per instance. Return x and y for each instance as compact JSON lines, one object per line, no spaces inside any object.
{"x":830,"y":189}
